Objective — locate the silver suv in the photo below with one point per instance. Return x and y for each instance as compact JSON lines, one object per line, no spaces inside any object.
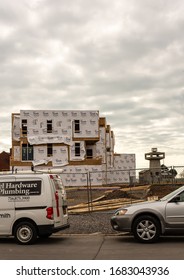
{"x":148,"y":220}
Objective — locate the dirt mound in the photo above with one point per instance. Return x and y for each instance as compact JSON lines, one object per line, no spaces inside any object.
{"x":154,"y":190}
{"x":116,"y":194}
{"x":161,"y":190}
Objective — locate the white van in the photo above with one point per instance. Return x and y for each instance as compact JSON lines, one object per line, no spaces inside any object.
{"x":31,"y":205}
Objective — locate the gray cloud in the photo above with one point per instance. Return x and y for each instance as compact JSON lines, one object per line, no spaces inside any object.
{"x":123,"y":58}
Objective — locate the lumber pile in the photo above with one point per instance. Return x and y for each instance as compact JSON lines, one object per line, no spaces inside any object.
{"x":102,"y":205}
{"x":111,"y":200}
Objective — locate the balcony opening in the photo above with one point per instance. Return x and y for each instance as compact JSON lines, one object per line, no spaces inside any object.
{"x":89,"y":153}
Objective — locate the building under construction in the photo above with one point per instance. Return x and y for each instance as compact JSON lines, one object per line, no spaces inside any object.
{"x":79,"y":142}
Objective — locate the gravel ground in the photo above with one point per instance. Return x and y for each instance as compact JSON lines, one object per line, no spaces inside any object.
{"x":89,"y":223}
{"x":99,"y":222}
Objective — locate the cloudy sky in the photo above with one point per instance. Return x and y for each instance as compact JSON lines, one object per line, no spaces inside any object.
{"x":124,"y":58}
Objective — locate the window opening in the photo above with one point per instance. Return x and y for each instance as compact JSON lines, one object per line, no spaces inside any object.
{"x":24,"y":127}
{"x":49,"y":150}
{"x":77,"y":126}
{"x":77,"y":149}
{"x":49,"y":126}
{"x":27,"y":152}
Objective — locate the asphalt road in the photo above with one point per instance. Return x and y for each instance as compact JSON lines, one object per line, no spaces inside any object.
{"x":93,"y":247}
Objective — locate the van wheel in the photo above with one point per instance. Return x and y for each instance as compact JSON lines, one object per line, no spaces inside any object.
{"x":25,"y":233}
{"x":146,"y":229}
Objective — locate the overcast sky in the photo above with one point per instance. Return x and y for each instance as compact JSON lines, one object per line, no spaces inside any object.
{"x":124,"y":58}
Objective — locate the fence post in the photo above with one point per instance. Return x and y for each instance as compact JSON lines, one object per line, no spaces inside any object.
{"x":90,"y":203}
{"x":87,"y":175}
{"x":130,"y":185}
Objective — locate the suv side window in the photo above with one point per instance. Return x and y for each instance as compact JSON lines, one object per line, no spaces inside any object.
{"x":181,"y":197}
{"x":178,"y":197}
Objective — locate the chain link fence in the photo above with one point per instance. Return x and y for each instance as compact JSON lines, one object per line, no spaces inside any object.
{"x":88,"y":187}
{"x":171,"y":175}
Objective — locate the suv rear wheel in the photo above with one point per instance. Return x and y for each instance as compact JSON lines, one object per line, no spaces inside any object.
{"x":146,"y":229}
{"x":25,"y":233}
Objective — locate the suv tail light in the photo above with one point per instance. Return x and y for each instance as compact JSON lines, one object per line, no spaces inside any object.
{"x":50,"y":213}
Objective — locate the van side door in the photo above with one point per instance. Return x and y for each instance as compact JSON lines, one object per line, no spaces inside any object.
{"x":7,"y":205}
